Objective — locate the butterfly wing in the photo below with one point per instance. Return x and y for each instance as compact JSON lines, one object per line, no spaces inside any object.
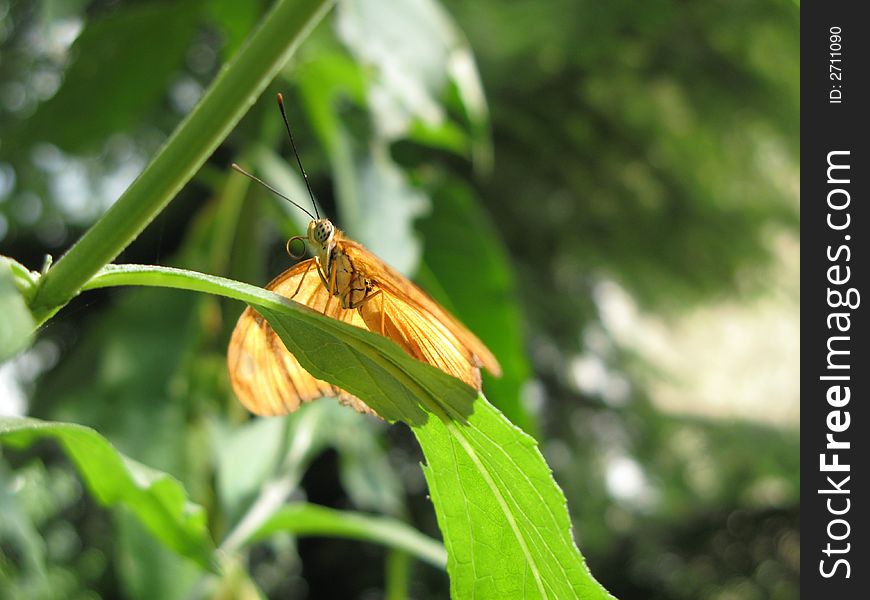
{"x":267,"y":378}
{"x":416,"y":322}
{"x":419,"y":335}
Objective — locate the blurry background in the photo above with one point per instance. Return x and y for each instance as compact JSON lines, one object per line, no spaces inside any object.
{"x":606,"y":193}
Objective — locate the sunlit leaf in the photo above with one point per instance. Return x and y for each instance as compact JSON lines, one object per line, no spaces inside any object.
{"x":504,"y":519}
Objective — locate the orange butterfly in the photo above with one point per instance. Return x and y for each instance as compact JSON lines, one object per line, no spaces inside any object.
{"x":346,"y":282}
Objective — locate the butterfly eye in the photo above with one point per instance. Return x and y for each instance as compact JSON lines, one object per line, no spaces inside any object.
{"x":323,"y":231}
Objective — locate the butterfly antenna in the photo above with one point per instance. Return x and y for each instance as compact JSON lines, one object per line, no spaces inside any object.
{"x":296,"y":153}
{"x":271,"y":189}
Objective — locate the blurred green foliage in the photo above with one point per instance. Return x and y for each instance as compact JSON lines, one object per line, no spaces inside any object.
{"x":654,"y":144}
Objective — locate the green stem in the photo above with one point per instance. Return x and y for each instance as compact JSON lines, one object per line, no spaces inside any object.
{"x":228,"y":98}
{"x":397,"y":576}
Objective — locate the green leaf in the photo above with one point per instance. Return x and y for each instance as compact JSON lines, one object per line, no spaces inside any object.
{"x":123,"y":65}
{"x":16,"y":322}
{"x":446,"y":136}
{"x":503,"y":517}
{"x":310,"y":519}
{"x":158,"y":500}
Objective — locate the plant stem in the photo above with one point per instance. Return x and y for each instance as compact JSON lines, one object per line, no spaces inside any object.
{"x":228,"y":98}
{"x":397,"y":575}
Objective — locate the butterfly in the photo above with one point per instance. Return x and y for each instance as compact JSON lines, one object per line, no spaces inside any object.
{"x":349,"y":283}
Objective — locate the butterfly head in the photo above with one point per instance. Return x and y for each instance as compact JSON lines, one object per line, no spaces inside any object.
{"x":320,"y":232}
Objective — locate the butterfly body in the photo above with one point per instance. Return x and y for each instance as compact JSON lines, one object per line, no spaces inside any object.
{"x":337,"y":271}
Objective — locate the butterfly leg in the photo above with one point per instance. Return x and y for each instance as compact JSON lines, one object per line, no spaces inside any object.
{"x":299,"y":287}
{"x":331,"y":288}
{"x":383,"y":314}
{"x":320,"y":273}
